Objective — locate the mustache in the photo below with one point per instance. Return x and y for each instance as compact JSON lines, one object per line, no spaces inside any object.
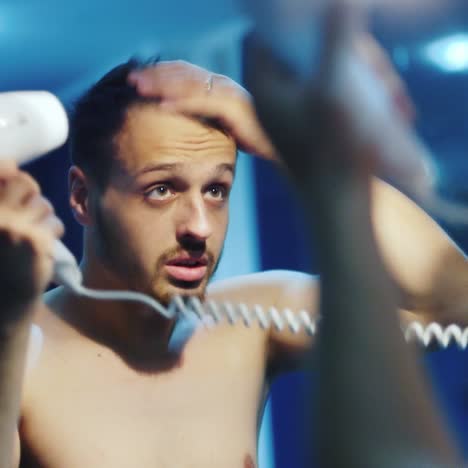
{"x":178,"y":251}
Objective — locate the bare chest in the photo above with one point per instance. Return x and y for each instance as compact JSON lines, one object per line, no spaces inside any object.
{"x":95,"y":411}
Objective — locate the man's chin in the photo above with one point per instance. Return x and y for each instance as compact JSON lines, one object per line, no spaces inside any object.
{"x":188,"y":285}
{"x":180,"y":288}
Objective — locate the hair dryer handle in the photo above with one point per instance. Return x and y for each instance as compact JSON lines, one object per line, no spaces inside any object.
{"x":66,"y":269}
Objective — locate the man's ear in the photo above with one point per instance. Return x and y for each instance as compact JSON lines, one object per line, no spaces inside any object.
{"x":78,"y":188}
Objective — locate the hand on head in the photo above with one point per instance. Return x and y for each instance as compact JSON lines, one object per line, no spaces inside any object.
{"x":313,"y":132}
{"x":194,"y":91}
{"x":28,"y":229}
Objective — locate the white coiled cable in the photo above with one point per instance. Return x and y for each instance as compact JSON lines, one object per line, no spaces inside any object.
{"x":265,"y":318}
{"x":415,"y":332}
{"x":213,"y":312}
{"x":435,"y":334}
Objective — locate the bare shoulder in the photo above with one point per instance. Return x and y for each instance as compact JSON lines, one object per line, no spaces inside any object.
{"x":45,"y":326}
{"x":35,"y":344}
{"x":282,"y":289}
{"x":34,"y":356}
{"x":267,"y":288}
{"x":38,"y":330}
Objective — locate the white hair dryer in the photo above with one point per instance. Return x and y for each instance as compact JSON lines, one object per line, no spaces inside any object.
{"x":33,"y":123}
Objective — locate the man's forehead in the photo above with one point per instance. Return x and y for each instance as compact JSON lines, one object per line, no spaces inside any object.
{"x":151,"y":135}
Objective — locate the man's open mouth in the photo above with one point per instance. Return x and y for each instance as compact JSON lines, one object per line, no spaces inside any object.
{"x":187,"y":269}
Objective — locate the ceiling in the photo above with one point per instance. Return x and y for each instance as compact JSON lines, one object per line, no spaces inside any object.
{"x":53,"y":43}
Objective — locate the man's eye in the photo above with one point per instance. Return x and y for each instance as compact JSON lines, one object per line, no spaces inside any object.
{"x":218,"y":192}
{"x":160,"y":192}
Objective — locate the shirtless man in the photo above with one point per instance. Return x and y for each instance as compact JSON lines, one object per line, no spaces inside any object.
{"x":151,"y":192}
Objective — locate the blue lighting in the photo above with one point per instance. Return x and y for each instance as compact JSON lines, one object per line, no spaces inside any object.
{"x":450,"y":54}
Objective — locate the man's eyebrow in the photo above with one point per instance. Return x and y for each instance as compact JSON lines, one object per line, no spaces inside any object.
{"x":225,"y":167}
{"x":159,"y":167}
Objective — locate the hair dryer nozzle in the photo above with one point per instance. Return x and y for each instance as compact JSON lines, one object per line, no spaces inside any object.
{"x":31,"y":123}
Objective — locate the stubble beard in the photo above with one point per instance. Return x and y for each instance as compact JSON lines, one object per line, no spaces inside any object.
{"x":122,"y":264}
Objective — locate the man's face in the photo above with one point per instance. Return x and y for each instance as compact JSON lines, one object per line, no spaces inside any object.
{"x":161,"y":222}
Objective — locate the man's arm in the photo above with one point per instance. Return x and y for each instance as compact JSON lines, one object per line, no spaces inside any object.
{"x":14,"y":338}
{"x":28,"y":228}
{"x":429,"y":272}
{"x":374,"y":404}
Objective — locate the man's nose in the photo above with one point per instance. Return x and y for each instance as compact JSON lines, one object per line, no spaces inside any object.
{"x":194,"y":222}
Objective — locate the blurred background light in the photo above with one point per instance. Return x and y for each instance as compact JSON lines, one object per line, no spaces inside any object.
{"x":449,"y":54}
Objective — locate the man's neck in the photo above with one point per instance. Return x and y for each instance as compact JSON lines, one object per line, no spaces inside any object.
{"x":135,"y":332}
